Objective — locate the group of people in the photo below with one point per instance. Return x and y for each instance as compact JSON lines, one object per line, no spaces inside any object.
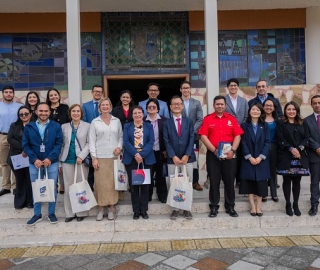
{"x":260,"y":139}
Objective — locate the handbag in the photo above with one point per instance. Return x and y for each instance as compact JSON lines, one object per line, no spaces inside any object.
{"x":43,"y":189}
{"x":180,"y":194}
{"x":81,"y":195}
{"x":87,"y":160}
{"x":120,"y":175}
{"x":141,"y":176}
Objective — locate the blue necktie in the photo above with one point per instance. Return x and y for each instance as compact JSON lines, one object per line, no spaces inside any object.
{"x":96,"y":108}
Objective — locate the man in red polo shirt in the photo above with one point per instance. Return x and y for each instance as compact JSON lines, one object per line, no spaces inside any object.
{"x":216,"y":128}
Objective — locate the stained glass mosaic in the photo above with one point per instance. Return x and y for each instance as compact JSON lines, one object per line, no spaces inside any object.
{"x":145,"y":41}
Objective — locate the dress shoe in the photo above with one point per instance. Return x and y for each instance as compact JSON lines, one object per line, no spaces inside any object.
{"x":313,"y":210}
{"x":4,"y":191}
{"x":80,"y":218}
{"x":136,"y":215}
{"x":253,"y":214}
{"x":296,"y":210}
{"x":289,"y":209}
{"x":163,"y":200}
{"x":61,"y":192}
{"x":144,"y":215}
{"x":232,"y":212}
{"x":69,"y":219}
{"x":260,"y":214}
{"x":29,"y":206}
{"x":174,"y":215}
{"x":196,"y":186}
{"x":278,"y":186}
{"x":14,"y":191}
{"x":213,"y":212}
{"x":275,"y":199}
{"x":265,"y":199}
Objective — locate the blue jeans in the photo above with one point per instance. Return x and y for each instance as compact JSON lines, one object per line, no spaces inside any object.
{"x":52,"y":174}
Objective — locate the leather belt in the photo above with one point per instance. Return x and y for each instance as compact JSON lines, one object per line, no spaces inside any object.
{"x":3,"y":133}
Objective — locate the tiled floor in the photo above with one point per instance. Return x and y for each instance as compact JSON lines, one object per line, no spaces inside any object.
{"x":294,"y":252}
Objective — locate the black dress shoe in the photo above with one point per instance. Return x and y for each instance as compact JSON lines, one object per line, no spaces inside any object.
{"x":29,"y":206}
{"x":313,"y":210}
{"x":260,"y":214}
{"x":289,"y":209}
{"x":4,"y":191}
{"x":296,"y":210}
{"x":213,"y":212}
{"x":136,"y":215}
{"x":232,"y":212}
{"x":253,"y":214}
{"x":69,"y":219}
{"x":264,"y":199}
{"x":80,"y":218}
{"x":163,"y":200}
{"x":275,"y":199}
{"x":144,"y":215}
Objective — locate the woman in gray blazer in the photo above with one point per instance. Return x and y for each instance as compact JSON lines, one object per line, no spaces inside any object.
{"x":71,"y":154}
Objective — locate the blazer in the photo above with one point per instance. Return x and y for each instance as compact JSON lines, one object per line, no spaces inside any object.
{"x":88,"y":111}
{"x":195,"y":113}
{"x":242,"y":108}
{"x":311,"y":125}
{"x":289,"y":135}
{"x":163,"y":107}
{"x":62,"y":115}
{"x":255,"y":145}
{"x":14,"y":139}
{"x":83,"y":137}
{"x":128,"y":143}
{"x":271,"y":96}
{"x":179,"y":146}
{"x":118,"y":112}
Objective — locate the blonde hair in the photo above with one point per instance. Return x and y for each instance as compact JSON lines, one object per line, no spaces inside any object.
{"x":102,"y":100}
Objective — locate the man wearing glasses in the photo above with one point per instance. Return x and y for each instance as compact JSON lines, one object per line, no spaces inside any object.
{"x":153,"y":92}
{"x":8,"y":115}
{"x":90,"y":108}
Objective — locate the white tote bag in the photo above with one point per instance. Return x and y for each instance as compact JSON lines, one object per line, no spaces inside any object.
{"x":180,"y":194}
{"x":81,"y":195}
{"x":43,"y":189}
{"x":120,"y":175}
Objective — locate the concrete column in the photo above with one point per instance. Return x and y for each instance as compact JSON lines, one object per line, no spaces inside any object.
{"x":312,"y":38}
{"x":212,"y":56}
{"x":74,"y":51}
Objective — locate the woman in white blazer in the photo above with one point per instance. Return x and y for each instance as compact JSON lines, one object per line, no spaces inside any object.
{"x":71,"y":154}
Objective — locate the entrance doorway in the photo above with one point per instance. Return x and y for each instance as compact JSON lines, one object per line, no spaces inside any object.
{"x":138,"y":85}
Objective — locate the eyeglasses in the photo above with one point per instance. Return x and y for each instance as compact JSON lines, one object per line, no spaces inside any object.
{"x":233,"y":85}
{"x":152,"y":107}
{"x":24,"y":114}
{"x":97,"y":92}
{"x":176,"y":104}
{"x":185,"y":88}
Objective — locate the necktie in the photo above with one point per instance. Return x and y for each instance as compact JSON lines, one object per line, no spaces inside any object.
{"x":318,"y":121}
{"x":179,"y":126}
{"x":96,"y":108}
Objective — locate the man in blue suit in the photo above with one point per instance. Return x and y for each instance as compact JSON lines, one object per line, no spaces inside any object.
{"x":153,"y":92}
{"x":178,"y":135}
{"x":90,"y":108}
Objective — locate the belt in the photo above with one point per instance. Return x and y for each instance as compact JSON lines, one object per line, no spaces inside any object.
{"x":3,"y":133}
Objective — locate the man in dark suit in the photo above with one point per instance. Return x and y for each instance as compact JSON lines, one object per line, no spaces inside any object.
{"x":312,"y":122}
{"x":192,"y":109}
{"x":178,"y":135}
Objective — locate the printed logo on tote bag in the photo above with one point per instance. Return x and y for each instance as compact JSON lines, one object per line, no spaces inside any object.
{"x":121,"y":176}
{"x":82,"y":197}
{"x":43,"y":191}
{"x":180,"y":197}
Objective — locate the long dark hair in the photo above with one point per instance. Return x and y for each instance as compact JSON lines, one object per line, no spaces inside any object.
{"x":262,"y":117}
{"x":48,"y":100}
{"x":131,"y":104}
{"x":27,"y":103}
{"x":19,"y":121}
{"x":298,"y":119}
{"x":275,"y":112}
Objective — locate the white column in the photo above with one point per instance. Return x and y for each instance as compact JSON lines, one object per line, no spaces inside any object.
{"x":74,"y":51}
{"x":212,"y":56}
{"x":312,"y":38}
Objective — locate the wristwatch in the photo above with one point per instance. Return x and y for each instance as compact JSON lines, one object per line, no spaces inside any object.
{"x":234,"y":151}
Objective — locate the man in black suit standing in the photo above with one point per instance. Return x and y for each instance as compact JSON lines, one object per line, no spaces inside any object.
{"x":312,"y":122}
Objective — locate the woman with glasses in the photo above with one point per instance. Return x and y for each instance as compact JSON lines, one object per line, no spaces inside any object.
{"x":32,"y":102}
{"x":23,"y":194}
{"x":123,"y":110}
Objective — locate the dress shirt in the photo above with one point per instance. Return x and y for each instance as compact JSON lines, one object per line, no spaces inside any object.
{"x":262,"y":99}
{"x":156,"y":145}
{"x":234,"y":102}
{"x":186,"y":105}
{"x":8,"y":115}
{"x":42,"y":128}
{"x":176,"y":122}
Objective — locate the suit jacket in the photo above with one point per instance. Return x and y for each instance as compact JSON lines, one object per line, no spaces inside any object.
{"x":83,"y":137}
{"x":14,"y":139}
{"x":289,"y":135}
{"x":118,"y":112}
{"x":179,"y":146}
{"x":128,"y":142}
{"x":88,"y":111}
{"x":255,"y":145}
{"x":195,"y":113}
{"x":242,"y":108}
{"x":271,"y":96}
{"x":163,"y":107}
{"x":311,"y":125}
{"x":62,"y":115}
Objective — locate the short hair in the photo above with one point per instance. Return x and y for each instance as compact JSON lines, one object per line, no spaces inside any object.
{"x":298,"y":119}
{"x":72,"y":107}
{"x":27,"y":103}
{"x":44,"y":103}
{"x":97,"y":85}
{"x":7,"y":87}
{"x":262,"y":80}
{"x":219,"y":97}
{"x":275,"y":112}
{"x":184,"y":83}
{"x":155,"y":101}
{"x":174,"y":97}
{"x":48,"y":100}
{"x":153,"y":83}
{"x":315,"y":96}
{"x":262,"y":117}
{"x":234,"y":80}
{"x":102,"y":100}
{"x":137,"y":107}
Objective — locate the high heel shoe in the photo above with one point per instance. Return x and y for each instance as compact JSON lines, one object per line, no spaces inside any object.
{"x":296,"y":210}
{"x":289,"y":209}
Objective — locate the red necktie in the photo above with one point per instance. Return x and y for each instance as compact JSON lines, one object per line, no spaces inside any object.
{"x":179,"y":126}
{"x":318,"y":121}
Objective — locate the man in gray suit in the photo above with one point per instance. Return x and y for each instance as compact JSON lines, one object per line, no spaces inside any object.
{"x":312,"y":123}
{"x":192,"y":110}
{"x":238,"y":107}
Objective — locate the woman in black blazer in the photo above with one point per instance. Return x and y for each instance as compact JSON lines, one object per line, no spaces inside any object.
{"x":123,"y":110}
{"x":293,"y":161}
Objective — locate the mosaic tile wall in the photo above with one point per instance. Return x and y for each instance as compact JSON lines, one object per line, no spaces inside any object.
{"x":39,"y":61}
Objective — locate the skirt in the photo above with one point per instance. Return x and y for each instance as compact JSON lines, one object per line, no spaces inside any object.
{"x":259,"y":188}
{"x":104,"y":189}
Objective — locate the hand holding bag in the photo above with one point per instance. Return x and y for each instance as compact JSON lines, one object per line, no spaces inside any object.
{"x":180,"y":194}
{"x":81,"y":196}
{"x":120,"y":175}
{"x":43,"y":189}
{"x":141,"y":176}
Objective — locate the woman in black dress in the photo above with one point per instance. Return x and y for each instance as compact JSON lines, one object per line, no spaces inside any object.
{"x":293,"y":159}
{"x":123,"y":110}
{"x":32,"y":102}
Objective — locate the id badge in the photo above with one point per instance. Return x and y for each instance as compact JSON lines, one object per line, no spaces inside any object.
{"x":42,"y":148}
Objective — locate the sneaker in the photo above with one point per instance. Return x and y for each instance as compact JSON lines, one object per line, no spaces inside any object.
{"x":100,"y":216}
{"x":52,"y":218}
{"x":187,"y":214}
{"x":174,"y":215}
{"x":110,"y":214}
{"x":34,"y":220}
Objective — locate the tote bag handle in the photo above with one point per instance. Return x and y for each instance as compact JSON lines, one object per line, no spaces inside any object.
{"x":76,"y":172}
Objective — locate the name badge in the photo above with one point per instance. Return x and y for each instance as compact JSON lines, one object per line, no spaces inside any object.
{"x":42,"y":148}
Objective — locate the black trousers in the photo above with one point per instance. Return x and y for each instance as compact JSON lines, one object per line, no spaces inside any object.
{"x":314,"y":186}
{"x":239,"y":159}
{"x":273,"y":169}
{"x":23,"y":195}
{"x":139,"y":193}
{"x":217,"y":170}
{"x":286,"y":186}
{"x":91,"y":178}
{"x":161,"y":186}
{"x":195,"y":178}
